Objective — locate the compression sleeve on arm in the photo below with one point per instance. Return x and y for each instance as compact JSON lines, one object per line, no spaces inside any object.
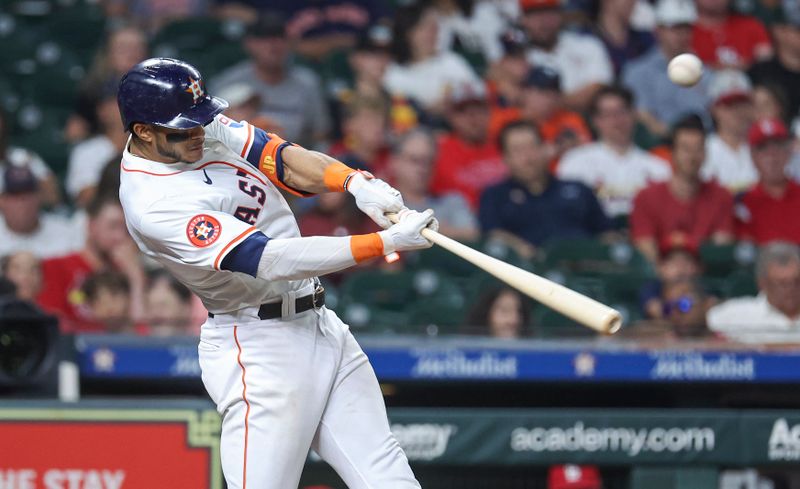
{"x":299,"y":258}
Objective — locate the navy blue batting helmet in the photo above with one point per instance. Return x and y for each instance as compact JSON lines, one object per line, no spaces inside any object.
{"x":168,"y":93}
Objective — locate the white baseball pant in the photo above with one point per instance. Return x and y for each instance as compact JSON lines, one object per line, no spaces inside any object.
{"x":284,"y":386}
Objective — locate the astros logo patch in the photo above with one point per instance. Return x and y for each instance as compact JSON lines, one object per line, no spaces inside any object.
{"x":203,"y":230}
{"x":196,"y":89}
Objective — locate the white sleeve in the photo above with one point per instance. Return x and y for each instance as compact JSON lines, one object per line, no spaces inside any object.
{"x":200,"y":238}
{"x":38,"y":167}
{"x":86,"y":163}
{"x":236,"y":136}
{"x":594,"y":66}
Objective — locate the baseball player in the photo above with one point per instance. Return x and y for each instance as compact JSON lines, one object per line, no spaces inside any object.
{"x":200,"y":194}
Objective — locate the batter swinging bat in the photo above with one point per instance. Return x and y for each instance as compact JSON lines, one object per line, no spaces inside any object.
{"x":585,"y":310}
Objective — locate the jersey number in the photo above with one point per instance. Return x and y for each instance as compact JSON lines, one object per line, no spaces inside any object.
{"x":250,"y":214}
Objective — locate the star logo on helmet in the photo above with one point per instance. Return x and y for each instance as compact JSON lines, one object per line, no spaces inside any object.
{"x":196,"y":89}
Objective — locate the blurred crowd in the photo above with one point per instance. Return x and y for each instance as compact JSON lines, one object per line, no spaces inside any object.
{"x":525,"y":124}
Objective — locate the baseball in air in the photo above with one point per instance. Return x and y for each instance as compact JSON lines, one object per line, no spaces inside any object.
{"x":685,"y":69}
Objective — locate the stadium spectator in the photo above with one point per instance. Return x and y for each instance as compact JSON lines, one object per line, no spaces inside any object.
{"x":124,"y":47}
{"x":155,"y":13}
{"x":531,"y":207}
{"x":684,"y":211}
{"x":468,"y":159}
{"x":419,"y":72}
{"x":471,"y":26}
{"x":572,"y":476}
{"x":21,"y":157}
{"x":675,"y":264}
{"x":613,"y":166}
{"x":334,"y":214}
{"x":770,"y":102}
{"x":108,"y":247}
{"x":23,"y":224}
{"x":244,"y":104}
{"x":766,"y":212}
{"x":24,"y":270}
{"x":660,"y":103}
{"x":319,"y":28}
{"x":727,"y":153}
{"x":580,"y":59}
{"x":505,"y":76}
{"x":726,"y":40}
{"x":169,"y":306}
{"x":368,"y":62}
{"x":107,"y":296}
{"x":410,"y":171}
{"x":501,"y":312}
{"x":623,"y":42}
{"x":541,"y":103}
{"x":290,"y":94}
{"x":89,"y":157}
{"x":364,"y":132}
{"x":685,"y":305}
{"x":773,"y":316}
{"x":784,"y":68}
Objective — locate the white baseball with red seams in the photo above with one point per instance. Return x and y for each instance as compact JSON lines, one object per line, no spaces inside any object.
{"x":281,"y":385}
{"x":685,"y":69}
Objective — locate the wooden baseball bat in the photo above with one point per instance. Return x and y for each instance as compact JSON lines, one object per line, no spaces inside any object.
{"x":574,"y":305}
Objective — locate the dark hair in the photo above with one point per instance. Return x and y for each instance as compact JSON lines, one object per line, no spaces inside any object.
{"x":479,"y":314}
{"x":113,"y":281}
{"x":108,"y":185}
{"x":691,"y":122}
{"x":101,"y":200}
{"x":183,"y":292}
{"x":405,"y":19}
{"x":513,"y":126}
{"x":778,"y":93}
{"x":610,"y":91}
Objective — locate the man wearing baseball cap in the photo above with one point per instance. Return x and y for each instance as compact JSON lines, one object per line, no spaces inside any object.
{"x":23,"y":225}
{"x":784,"y":68}
{"x":660,"y":103}
{"x":580,"y":59}
{"x":727,"y":153}
{"x":768,"y":211}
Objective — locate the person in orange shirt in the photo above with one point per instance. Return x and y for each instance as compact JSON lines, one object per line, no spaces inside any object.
{"x":542,"y":104}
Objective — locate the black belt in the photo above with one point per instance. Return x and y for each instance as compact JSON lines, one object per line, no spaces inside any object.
{"x":274,"y":310}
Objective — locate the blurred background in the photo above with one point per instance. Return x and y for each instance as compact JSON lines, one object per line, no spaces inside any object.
{"x":545,"y":133}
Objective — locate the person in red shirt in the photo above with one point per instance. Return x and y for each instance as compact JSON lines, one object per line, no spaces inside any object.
{"x":722,"y":39}
{"x":769,"y":210}
{"x":108,"y":247}
{"x":683,"y":211}
{"x":469,"y":160}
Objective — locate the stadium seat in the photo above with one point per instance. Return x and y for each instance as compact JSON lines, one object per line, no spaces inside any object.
{"x":674,"y":478}
{"x":740,"y":283}
{"x":722,"y":260}
{"x":76,"y":30}
{"x":592,"y":256}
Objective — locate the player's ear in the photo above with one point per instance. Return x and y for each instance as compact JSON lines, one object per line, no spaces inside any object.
{"x":143,"y":131}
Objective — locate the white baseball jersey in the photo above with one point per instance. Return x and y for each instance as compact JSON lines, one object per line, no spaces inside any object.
{"x":189,"y":217}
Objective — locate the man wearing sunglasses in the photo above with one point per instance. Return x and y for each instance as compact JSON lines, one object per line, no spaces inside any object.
{"x":200,"y":194}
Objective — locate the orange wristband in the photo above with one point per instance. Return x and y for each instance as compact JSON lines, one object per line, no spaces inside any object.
{"x":336,"y":176}
{"x":366,"y":246}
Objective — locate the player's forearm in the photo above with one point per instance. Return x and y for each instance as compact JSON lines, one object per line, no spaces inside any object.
{"x":300,"y":258}
{"x":306,"y":170}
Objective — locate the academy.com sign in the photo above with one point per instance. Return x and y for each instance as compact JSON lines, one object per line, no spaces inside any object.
{"x":784,"y":441}
{"x":627,"y":440}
